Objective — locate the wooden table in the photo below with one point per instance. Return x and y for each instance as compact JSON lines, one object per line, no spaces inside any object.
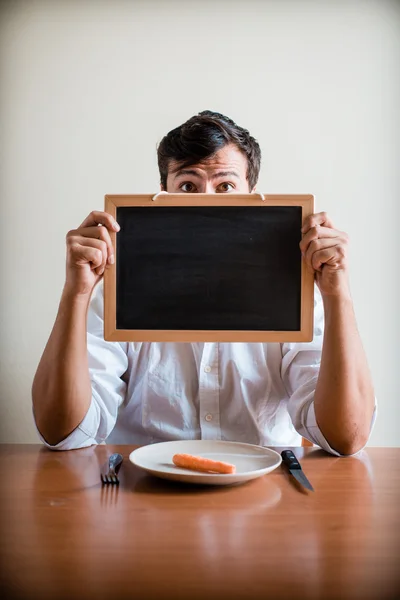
{"x":64,"y":536}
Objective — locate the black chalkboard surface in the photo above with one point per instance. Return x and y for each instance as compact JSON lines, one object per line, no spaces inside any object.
{"x":208,"y":268}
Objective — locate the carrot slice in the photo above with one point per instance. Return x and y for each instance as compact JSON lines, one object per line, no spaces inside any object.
{"x":205,"y":465}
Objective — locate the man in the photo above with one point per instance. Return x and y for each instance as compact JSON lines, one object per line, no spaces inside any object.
{"x":87,"y":391}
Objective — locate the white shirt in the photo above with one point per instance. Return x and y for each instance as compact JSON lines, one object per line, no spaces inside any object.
{"x":151,"y":392}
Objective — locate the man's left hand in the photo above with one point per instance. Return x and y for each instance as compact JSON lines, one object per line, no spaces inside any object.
{"x":325,"y":251}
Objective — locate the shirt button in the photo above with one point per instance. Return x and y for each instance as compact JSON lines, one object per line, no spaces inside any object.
{"x":207,"y":369}
{"x":209,"y":417}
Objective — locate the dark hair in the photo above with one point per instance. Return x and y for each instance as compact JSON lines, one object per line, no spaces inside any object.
{"x":200,"y":138}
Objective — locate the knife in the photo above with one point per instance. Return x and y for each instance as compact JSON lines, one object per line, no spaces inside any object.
{"x":295,"y":469}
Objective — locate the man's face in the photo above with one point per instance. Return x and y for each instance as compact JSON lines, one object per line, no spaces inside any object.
{"x":224,"y":173}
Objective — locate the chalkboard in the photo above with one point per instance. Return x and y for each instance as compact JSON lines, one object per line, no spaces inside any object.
{"x":194,"y":267}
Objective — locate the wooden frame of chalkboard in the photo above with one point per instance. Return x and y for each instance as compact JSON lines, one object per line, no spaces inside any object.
{"x":208,"y":268}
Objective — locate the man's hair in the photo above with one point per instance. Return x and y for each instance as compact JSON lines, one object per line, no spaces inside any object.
{"x":200,"y":138}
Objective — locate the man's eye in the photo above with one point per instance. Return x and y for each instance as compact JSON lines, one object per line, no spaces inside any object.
{"x":226,"y":187}
{"x":187,"y":187}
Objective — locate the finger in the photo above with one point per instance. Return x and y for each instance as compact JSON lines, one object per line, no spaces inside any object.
{"x":313,"y":254}
{"x":321,"y":218}
{"x":317,"y":232}
{"x":92,"y":243}
{"x":83,"y":254}
{"x":100,"y":218}
{"x":100,"y":233}
{"x":328,"y":256}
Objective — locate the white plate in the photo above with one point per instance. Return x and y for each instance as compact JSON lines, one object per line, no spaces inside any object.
{"x":250,"y":461}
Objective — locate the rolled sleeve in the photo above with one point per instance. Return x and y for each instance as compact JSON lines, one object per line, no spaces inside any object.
{"x":300,"y":371}
{"x":108,"y":362}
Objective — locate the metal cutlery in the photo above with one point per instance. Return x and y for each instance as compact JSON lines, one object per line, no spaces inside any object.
{"x":109,"y":472}
{"x":295,"y":469}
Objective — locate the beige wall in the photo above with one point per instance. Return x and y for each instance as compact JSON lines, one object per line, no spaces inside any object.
{"x":88,"y":88}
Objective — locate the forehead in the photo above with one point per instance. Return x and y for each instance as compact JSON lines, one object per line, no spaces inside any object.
{"x":229,"y":158}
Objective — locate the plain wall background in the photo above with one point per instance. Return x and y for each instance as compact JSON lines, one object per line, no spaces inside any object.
{"x":88,"y":88}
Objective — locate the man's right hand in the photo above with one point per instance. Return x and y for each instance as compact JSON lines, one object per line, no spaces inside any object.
{"x":89,"y":252}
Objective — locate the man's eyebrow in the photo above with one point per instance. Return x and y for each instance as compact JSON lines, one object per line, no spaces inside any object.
{"x":186,"y":172}
{"x":225,"y":174}
{"x":215,"y":176}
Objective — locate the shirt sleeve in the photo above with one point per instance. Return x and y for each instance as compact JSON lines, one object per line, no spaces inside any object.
{"x":108,"y":361}
{"x":300,"y":370}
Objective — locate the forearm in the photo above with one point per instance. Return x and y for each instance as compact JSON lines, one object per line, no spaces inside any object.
{"x":344,"y":396}
{"x":61,"y":391}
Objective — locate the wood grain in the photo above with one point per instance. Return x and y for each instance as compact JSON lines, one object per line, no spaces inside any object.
{"x":65,"y":536}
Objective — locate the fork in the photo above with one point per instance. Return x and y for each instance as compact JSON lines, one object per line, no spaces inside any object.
{"x":109,"y":470}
